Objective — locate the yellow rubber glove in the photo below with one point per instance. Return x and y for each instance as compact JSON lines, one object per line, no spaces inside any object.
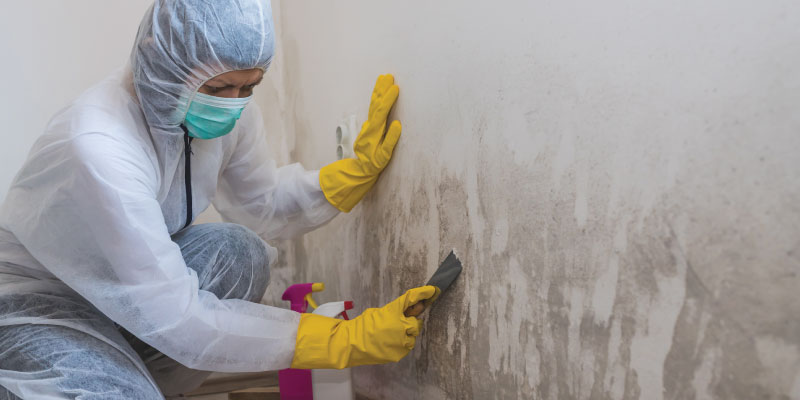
{"x":377,"y":336}
{"x":346,"y":182}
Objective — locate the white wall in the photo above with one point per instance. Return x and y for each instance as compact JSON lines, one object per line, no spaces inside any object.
{"x":52,"y":51}
{"x":620,"y":178}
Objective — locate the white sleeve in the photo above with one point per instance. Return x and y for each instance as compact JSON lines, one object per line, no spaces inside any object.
{"x":94,"y":222}
{"x":276,"y":203}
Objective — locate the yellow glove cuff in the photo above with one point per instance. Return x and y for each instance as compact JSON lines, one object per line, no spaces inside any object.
{"x":344,"y":183}
{"x":316,"y":343}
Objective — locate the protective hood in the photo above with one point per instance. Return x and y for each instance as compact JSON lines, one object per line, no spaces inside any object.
{"x":180,"y":45}
{"x":183,"y":43}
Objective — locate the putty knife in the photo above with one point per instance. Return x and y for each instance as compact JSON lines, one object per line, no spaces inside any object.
{"x":443,"y":277}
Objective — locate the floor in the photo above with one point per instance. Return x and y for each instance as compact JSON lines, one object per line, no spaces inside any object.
{"x":251,"y":386}
{"x":254,"y":386}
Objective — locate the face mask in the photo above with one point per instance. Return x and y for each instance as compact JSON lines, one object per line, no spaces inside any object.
{"x":210,"y":117}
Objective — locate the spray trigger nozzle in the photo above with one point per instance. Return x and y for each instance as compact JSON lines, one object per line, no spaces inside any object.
{"x":311,"y":302}
{"x":299,"y":295}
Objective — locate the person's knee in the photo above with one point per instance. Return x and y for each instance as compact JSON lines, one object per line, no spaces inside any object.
{"x":54,"y":358}
{"x":252,"y":259}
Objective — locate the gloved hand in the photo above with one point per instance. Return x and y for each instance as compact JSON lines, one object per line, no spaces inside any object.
{"x":345,"y":182}
{"x":377,"y":336}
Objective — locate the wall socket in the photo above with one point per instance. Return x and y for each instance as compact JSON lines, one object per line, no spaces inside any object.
{"x":346,"y":133}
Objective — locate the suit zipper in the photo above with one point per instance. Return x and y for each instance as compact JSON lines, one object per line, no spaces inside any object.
{"x":187,"y":153}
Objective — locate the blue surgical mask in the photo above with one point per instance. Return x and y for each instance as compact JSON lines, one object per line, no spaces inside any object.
{"x":210,"y":117}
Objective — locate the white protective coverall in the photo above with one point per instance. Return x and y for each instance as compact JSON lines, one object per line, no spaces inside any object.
{"x":93,"y":208}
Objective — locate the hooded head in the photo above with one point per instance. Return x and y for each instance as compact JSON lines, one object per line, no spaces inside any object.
{"x":183,"y":43}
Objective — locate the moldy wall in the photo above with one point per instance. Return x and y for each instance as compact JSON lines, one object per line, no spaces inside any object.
{"x":621,"y":181}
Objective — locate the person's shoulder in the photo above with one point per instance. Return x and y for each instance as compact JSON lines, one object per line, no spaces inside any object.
{"x":106,"y":106}
{"x":109,"y":106}
{"x":105,"y":122}
{"x":106,"y":157}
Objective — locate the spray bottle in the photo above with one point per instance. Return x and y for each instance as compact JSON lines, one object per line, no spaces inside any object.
{"x":303,"y":384}
{"x":295,"y":384}
{"x":333,"y":384}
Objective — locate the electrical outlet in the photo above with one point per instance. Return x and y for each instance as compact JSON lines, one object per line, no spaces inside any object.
{"x":346,"y":133}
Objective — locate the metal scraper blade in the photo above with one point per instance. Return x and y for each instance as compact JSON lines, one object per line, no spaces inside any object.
{"x":444,"y":276}
{"x":447,"y":272}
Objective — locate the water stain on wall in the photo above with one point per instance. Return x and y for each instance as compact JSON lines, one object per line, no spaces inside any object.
{"x":625,"y":233}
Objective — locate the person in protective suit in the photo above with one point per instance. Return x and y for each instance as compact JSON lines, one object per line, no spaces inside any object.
{"x":107,"y":290}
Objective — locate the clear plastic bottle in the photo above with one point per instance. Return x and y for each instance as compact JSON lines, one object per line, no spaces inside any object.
{"x":333,"y":384}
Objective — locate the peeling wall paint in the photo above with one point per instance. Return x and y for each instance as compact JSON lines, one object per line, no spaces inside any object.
{"x":620,"y":180}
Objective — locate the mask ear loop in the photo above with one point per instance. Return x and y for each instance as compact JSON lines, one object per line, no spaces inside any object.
{"x":191,"y":99}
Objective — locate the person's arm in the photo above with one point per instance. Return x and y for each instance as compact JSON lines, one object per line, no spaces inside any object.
{"x":276,"y":203}
{"x":287,"y":201}
{"x":94,"y":222}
